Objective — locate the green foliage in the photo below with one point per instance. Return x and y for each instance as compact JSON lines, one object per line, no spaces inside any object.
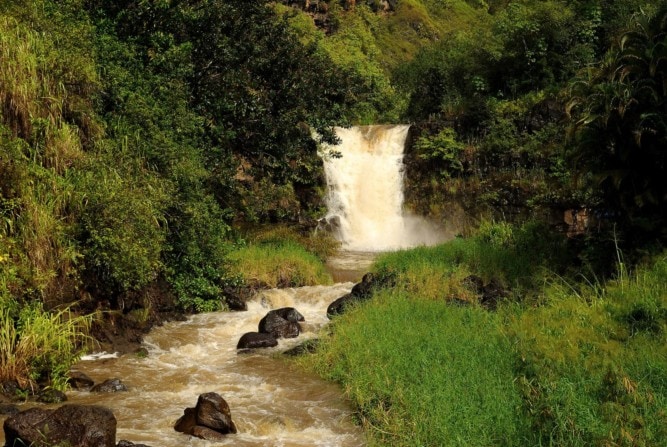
{"x":121,"y":228}
{"x":618,"y":127}
{"x":583,"y":365}
{"x":281,"y":263}
{"x":519,"y":257}
{"x":443,"y":152}
{"x":36,"y":344}
{"x":593,"y":361}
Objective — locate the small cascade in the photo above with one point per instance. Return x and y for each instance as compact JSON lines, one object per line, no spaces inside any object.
{"x":365,"y":192}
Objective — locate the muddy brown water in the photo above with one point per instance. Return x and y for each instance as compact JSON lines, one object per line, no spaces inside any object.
{"x":273,"y":402}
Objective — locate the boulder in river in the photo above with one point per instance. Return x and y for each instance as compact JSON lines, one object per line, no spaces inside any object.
{"x":124,"y":443}
{"x":51,"y":396}
{"x":109,"y":386}
{"x":361,"y":291}
{"x":281,"y":323}
{"x":251,"y":340}
{"x":79,"y":380}
{"x":210,"y":419}
{"x":72,"y":425}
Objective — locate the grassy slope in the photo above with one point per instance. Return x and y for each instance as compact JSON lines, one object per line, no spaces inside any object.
{"x":578,"y":364}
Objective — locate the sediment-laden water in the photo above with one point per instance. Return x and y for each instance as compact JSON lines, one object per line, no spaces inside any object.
{"x":272,"y":402}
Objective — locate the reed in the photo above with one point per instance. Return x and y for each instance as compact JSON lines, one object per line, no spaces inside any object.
{"x":37,"y":345}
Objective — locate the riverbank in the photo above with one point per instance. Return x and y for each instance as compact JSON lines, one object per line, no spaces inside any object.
{"x":553,"y":359}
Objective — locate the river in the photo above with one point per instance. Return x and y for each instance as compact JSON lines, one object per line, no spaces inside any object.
{"x":273,"y":402}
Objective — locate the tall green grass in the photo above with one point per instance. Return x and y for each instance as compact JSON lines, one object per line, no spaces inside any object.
{"x":582,"y":364}
{"x":39,"y":346}
{"x":278,"y":264}
{"x":520,"y":258}
{"x":423,"y":373}
{"x":593,"y":360}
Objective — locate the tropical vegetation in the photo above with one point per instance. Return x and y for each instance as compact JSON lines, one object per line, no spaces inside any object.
{"x":146,"y":147}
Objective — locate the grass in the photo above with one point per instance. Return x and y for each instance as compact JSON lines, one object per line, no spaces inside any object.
{"x":280,"y":257}
{"x":424,"y":373}
{"x":581,"y":363}
{"x":36,"y":345}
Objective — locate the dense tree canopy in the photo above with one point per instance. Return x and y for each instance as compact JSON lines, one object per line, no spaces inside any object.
{"x":620,"y":128}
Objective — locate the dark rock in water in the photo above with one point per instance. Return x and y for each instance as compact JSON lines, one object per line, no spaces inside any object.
{"x":206,"y":433}
{"x":79,"y":380}
{"x":252,"y":340}
{"x":8,"y":409}
{"x":338,"y":306}
{"x":73,"y":425}
{"x":290,"y":314}
{"x":364,"y":289}
{"x":109,"y":386}
{"x":51,"y":396}
{"x":307,"y":347}
{"x":276,"y":324}
{"x":361,"y":291}
{"x":186,"y":423}
{"x":124,"y":443}
{"x":210,"y":419}
{"x":234,"y":299}
{"x":213,"y":412}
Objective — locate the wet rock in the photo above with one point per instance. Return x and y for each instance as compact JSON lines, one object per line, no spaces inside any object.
{"x":290,"y":314}
{"x":51,"y":396}
{"x":109,"y":386}
{"x":79,"y":380}
{"x":338,"y":306}
{"x":210,"y":419}
{"x":281,"y":323}
{"x":124,"y":443}
{"x":307,"y":347}
{"x":73,"y":425}
{"x":253,"y":340}
{"x":213,"y":412}
{"x":235,"y":299}
{"x":8,"y":409}
{"x":361,"y":291}
{"x":364,"y":289}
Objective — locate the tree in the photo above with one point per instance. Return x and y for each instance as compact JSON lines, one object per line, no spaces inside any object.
{"x":619,"y":121}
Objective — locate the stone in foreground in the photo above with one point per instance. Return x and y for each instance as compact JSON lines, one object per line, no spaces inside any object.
{"x":71,"y":425}
{"x":211,"y":419}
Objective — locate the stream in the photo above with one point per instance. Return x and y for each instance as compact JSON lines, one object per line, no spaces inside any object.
{"x":273,"y":402}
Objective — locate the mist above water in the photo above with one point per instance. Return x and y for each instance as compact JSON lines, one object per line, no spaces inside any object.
{"x":365,"y":192}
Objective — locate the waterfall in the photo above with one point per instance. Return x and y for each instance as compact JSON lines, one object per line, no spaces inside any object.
{"x":365,"y":191}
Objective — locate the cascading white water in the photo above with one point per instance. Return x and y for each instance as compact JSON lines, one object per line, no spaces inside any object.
{"x":365,"y":191}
